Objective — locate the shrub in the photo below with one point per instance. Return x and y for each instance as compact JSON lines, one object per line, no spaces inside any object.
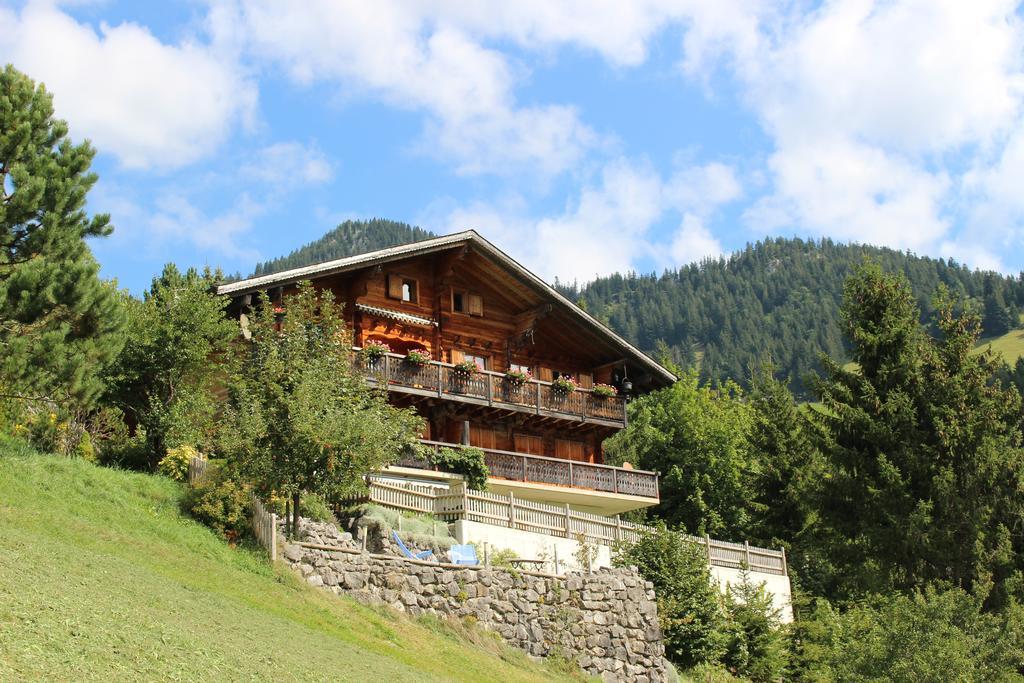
{"x":938,"y":634}
{"x":84,"y":449}
{"x":314,"y":507}
{"x":688,"y":603}
{"x":219,"y":501}
{"x":756,"y":642}
{"x":468,"y":461}
{"x":175,"y":463}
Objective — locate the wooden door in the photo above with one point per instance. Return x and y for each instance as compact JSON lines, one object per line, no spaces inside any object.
{"x":567,"y":449}
{"x":482,"y":437}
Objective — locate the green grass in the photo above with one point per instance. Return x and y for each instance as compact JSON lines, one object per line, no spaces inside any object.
{"x":102,"y":577}
{"x":1010,"y":345}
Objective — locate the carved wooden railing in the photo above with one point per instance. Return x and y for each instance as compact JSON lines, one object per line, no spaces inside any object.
{"x":490,"y":388}
{"x":485,"y":507}
{"x":558,"y":472}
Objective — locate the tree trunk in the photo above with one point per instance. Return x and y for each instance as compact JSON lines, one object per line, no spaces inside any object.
{"x":295,"y":511}
{"x":288,"y":519}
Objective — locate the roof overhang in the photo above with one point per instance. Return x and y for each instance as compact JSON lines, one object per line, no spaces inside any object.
{"x":468,"y":237}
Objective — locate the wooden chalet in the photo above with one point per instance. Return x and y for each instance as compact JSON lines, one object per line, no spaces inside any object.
{"x":459,"y":298}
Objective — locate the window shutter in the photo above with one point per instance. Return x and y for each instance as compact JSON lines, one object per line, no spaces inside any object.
{"x":394,"y":287}
{"x":476,"y":304}
{"x":544,"y":374}
{"x":586,"y":381}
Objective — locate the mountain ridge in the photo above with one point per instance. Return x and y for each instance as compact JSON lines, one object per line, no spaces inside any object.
{"x":775,"y":300}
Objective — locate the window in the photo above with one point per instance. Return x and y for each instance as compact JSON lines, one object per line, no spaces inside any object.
{"x":481,"y":361}
{"x":516,"y":367}
{"x":459,"y":356}
{"x":468,"y":303}
{"x":402,"y":288}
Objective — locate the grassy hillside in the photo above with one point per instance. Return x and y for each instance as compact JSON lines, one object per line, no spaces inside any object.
{"x":1010,"y":345}
{"x":101,"y":577}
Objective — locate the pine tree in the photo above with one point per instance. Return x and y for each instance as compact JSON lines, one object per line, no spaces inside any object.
{"x":59,"y":323}
{"x":789,"y":464}
{"x":923,"y":448}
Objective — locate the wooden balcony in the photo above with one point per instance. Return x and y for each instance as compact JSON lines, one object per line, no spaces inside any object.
{"x":536,"y":469}
{"x":491,"y":389}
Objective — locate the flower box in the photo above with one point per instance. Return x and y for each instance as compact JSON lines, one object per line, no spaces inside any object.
{"x":418,"y":357}
{"x":518,"y":378}
{"x":563,"y":385}
{"x":465,"y":369}
{"x":372,"y":350}
{"x":604,"y":391}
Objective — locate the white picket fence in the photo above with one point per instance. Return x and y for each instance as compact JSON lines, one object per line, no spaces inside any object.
{"x":552,"y":520}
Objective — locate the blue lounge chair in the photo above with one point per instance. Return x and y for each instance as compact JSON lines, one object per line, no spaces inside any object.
{"x":464,"y":554}
{"x":423,"y":555}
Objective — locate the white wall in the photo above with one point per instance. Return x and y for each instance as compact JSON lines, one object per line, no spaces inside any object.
{"x":530,"y":545}
{"x":776,"y":584}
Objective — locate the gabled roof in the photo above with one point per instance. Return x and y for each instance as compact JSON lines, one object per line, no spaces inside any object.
{"x":468,"y":237}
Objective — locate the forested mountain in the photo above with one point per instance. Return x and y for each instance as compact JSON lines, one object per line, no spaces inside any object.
{"x":348,"y":239}
{"x":777,"y":299}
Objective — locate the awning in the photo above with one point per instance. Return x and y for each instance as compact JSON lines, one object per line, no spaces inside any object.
{"x":396,"y":315}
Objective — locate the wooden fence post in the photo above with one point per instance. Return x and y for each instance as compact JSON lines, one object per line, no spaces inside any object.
{"x":707,"y":546}
{"x":746,"y":547}
{"x":568,"y":521}
{"x":273,"y":536}
{"x":785,"y":567}
{"x":618,"y":529}
{"x":511,"y":510}
{"x":556,"y":559}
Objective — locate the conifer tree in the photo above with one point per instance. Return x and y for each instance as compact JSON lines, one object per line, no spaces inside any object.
{"x":923,"y":448}
{"x":59,"y":323}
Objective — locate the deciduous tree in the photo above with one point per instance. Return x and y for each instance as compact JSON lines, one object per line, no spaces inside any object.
{"x":299,"y":420}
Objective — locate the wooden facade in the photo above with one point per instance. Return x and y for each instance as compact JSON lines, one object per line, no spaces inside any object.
{"x":459,"y":299}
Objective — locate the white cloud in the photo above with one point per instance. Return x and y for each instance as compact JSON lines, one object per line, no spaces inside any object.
{"x":176,"y":218}
{"x":149,"y":103}
{"x":412,"y":57}
{"x":872,"y":106}
{"x":853,"y":192}
{"x":693,"y":242}
{"x":608,"y":227}
{"x":288,"y":164}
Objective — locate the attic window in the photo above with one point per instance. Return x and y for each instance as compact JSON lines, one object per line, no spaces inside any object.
{"x":402,"y":288}
{"x":468,"y":303}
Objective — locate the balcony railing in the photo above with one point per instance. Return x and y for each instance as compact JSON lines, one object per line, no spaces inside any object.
{"x":491,"y":389}
{"x":557,"y":472}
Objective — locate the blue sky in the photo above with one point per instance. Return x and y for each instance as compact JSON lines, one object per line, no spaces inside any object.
{"x":582,"y":137}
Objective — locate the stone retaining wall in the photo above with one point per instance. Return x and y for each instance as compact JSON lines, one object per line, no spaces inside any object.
{"x":607,"y":621}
